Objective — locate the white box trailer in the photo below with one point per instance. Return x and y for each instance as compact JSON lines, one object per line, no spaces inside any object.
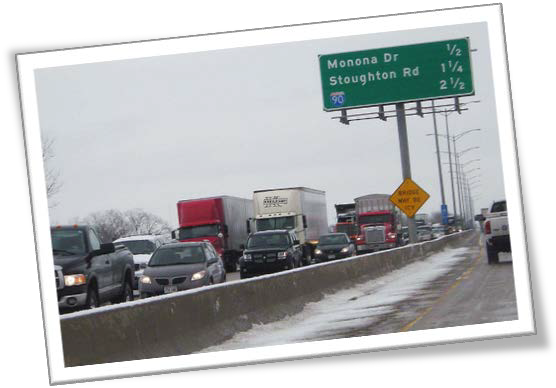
{"x":294,"y":208}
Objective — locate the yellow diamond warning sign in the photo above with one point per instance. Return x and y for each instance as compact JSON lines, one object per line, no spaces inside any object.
{"x":409,"y":197}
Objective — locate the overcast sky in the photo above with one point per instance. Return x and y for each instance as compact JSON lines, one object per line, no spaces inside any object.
{"x":145,"y":133}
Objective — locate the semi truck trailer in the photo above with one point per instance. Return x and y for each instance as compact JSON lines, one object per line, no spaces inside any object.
{"x":219,"y":220}
{"x":345,"y":220}
{"x":300,"y":209}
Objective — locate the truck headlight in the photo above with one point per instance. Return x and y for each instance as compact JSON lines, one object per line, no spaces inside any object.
{"x":145,"y":279}
{"x":345,"y":250}
{"x":74,"y":280}
{"x":282,"y":255}
{"x":391,"y":235}
{"x":247,"y":257}
{"x":199,"y":275}
{"x":318,"y":252}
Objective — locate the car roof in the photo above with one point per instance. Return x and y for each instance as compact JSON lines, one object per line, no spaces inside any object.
{"x":272,"y":231}
{"x":139,"y":237}
{"x":182,"y":244}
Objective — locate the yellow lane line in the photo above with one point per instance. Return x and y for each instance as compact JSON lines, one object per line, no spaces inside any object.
{"x":464,"y":276}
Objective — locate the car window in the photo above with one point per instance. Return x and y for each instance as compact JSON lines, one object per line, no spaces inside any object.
{"x":498,"y":207}
{"x":95,"y":243}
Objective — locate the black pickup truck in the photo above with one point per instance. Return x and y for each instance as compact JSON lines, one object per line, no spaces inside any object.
{"x":87,"y":272}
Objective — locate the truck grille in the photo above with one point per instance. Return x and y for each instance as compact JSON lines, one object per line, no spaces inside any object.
{"x":264,"y":257}
{"x":374,"y":234}
{"x":59,"y":277}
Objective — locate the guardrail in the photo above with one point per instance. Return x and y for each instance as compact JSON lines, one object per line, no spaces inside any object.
{"x":190,"y":321}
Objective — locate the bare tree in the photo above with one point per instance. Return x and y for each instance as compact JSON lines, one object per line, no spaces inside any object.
{"x":143,"y":222}
{"x":113,"y":224}
{"x":53,"y":182}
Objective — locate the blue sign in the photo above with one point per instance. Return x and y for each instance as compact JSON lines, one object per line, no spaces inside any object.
{"x":444,"y":211}
{"x":338,"y":98}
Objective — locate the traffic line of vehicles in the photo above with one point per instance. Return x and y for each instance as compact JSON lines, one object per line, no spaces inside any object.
{"x":276,"y":230}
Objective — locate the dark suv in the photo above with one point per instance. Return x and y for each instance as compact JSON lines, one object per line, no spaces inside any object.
{"x":270,"y":251}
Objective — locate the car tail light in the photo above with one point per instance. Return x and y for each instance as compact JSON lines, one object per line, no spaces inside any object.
{"x":487,"y":227}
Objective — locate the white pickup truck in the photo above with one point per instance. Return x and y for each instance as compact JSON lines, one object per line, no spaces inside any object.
{"x":497,"y":231}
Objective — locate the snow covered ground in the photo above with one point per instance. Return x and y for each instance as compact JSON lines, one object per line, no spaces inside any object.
{"x":349,"y":309}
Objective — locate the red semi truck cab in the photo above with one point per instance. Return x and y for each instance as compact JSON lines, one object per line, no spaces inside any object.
{"x":219,"y":220}
{"x":378,"y":223}
{"x":377,"y":230}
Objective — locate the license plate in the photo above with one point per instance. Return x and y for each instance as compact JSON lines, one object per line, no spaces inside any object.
{"x":169,"y":289}
{"x":331,"y":256}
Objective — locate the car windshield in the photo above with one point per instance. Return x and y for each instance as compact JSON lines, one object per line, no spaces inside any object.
{"x":68,"y":241}
{"x":275,"y":223}
{"x":139,"y":247}
{"x":333,"y":239}
{"x":177,"y":255}
{"x":274,"y":240}
{"x":198,"y":231}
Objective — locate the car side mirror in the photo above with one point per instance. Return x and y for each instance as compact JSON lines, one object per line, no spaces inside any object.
{"x":296,"y":242}
{"x":480,"y":217}
{"x":242,"y":247}
{"x":213,"y":260}
{"x":104,"y":249}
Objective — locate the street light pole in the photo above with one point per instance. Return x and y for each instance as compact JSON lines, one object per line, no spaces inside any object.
{"x":450,"y":160}
{"x":443,"y":206}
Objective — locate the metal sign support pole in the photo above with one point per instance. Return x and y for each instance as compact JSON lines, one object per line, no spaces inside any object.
{"x":438,"y":159}
{"x":450,"y":162}
{"x":406,"y":165}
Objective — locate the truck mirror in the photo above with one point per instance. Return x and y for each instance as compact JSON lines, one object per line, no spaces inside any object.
{"x":248,"y":226}
{"x":304,"y":221}
{"x":105,"y":249}
{"x":242,"y":247}
{"x":479,"y":217}
{"x":174,"y":233}
{"x":225,"y":230}
{"x":296,"y":242}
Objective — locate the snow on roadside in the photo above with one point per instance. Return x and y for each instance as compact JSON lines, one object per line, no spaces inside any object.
{"x":352,"y":308}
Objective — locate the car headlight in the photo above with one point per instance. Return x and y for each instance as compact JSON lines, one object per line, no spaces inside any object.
{"x":199,"y":275}
{"x":74,"y":280}
{"x":345,"y":250}
{"x":145,"y":279}
{"x":318,"y":252}
{"x":282,"y":255}
{"x":247,"y":257}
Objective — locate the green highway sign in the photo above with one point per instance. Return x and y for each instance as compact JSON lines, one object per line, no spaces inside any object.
{"x":396,"y":74}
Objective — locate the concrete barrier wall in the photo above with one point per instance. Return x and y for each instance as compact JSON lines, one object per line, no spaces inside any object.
{"x":187,"y":322}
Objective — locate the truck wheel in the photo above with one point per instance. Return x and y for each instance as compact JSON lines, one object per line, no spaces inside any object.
{"x":492,"y":255}
{"x":92,"y":300}
{"x":126,"y":295}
